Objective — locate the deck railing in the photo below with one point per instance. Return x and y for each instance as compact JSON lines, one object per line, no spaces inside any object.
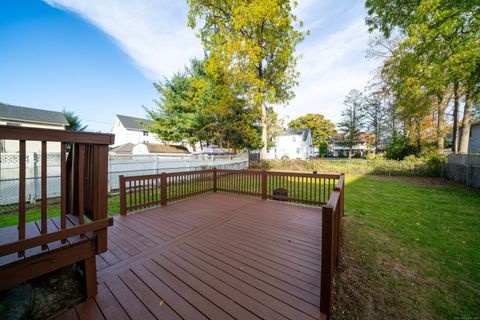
{"x":140,"y":192}
{"x":325,"y":190}
{"x":84,"y":169}
{"x":332,"y":214}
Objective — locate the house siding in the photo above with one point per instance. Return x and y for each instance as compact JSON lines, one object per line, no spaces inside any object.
{"x":291,"y":147}
{"x":123,"y":135}
{"x":474,"y":144}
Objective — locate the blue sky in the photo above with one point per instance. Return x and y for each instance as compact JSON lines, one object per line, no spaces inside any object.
{"x":98,"y":58}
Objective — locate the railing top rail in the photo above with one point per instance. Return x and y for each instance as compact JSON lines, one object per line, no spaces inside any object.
{"x":183,"y":173}
{"x":169,"y":174}
{"x":333,"y":200}
{"x":340,"y":183}
{"x":40,"y":134}
{"x":285,"y":173}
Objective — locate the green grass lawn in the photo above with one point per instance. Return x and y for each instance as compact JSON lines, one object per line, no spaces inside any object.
{"x":410,"y":250}
{"x":32,"y":214}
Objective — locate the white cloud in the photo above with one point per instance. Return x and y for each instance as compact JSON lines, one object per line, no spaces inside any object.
{"x":329,"y":70}
{"x":153,"y":33}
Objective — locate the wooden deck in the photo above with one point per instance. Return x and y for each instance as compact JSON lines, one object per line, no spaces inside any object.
{"x":216,"y":256}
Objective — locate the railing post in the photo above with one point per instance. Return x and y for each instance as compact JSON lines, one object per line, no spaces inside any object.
{"x":326,"y":267}
{"x":264,"y":184}
{"x":163,"y":189}
{"x":123,"y":195}
{"x":342,"y":197}
{"x":342,"y":193}
{"x":214,"y":180}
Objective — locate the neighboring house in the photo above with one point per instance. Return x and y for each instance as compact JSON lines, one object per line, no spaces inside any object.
{"x":338,"y":149}
{"x":124,"y":149}
{"x":160,"y":149}
{"x":292,"y":144}
{"x":474,"y":144}
{"x":132,"y":130}
{"x":30,"y":117}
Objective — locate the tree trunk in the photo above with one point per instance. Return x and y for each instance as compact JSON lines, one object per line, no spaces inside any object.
{"x":419,"y":144}
{"x":350,"y":153}
{"x":263,"y":154}
{"x":455,"y":118}
{"x":440,"y":124}
{"x":466,"y":123}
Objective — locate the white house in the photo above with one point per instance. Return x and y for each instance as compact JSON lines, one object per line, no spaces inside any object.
{"x":338,"y":149}
{"x":30,"y":117}
{"x":132,"y":130}
{"x":292,"y":144}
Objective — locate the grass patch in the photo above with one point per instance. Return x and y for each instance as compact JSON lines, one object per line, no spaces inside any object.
{"x":410,"y":250}
{"x":53,"y":210}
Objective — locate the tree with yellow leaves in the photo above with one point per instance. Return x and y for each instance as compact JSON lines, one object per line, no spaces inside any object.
{"x":252,"y":44}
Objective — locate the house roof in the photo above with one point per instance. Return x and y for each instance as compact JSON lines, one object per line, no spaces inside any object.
{"x":213,"y":150}
{"x":15,"y":113}
{"x":166,"y":148}
{"x":132,"y":123}
{"x":296,"y":132}
{"x":339,"y":137}
{"x":125,"y":148}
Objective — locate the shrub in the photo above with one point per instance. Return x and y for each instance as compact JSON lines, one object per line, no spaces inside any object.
{"x":411,"y":166}
{"x":399,"y":148}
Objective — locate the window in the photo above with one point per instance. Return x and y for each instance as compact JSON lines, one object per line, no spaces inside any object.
{"x":294,"y":139}
{"x":298,"y":150}
{"x":145,"y":133}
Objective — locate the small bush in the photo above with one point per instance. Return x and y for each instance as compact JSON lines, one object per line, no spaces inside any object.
{"x":399,"y":148}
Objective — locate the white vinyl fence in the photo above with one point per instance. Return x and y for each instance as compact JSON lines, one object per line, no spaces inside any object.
{"x":127,"y":165}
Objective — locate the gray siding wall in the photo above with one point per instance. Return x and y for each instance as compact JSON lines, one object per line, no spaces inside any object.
{"x":474,"y":144}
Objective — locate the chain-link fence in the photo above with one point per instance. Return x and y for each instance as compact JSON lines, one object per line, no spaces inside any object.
{"x":128,"y":165}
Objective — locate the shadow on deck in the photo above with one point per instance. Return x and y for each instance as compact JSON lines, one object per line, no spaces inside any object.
{"x":216,"y":256}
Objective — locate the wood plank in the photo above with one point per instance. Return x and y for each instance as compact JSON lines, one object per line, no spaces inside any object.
{"x":193,"y":297}
{"x":89,"y":310}
{"x":40,"y":134}
{"x":101,"y":263}
{"x":132,"y":305}
{"x":208,"y":287}
{"x":109,"y":305}
{"x":157,"y":306}
{"x":177,"y":302}
{"x":53,"y":236}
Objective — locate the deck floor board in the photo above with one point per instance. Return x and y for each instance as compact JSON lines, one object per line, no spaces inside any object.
{"x":215,"y":256}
